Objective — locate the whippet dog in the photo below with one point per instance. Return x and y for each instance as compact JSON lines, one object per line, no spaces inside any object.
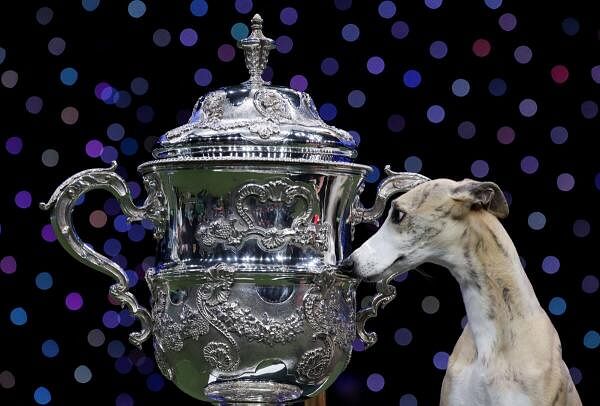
{"x":509,"y":353}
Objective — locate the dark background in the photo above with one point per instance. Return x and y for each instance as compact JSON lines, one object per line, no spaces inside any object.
{"x":108,"y":45}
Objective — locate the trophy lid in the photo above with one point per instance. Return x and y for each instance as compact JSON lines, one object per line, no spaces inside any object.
{"x":256,"y":120}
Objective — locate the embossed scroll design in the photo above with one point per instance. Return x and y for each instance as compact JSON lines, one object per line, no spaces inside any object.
{"x":324,"y":312}
{"x":211,"y":307}
{"x":301,"y":232}
{"x":62,"y":203}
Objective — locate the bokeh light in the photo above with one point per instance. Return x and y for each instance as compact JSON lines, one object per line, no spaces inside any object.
{"x":590,"y":284}
{"x":523,"y":54}
{"x":557,"y":306}
{"x":530,"y":164}
{"x":506,"y":135}
{"x":412,"y":78}
{"x":430,"y":304}
{"x":199,"y":8}
{"x":396,"y":123}
{"x":403,"y":336}
{"x":570,"y":26}
{"x":375,"y":382}
{"x":536,"y":220}
{"x":18,"y":316}
{"x":329,"y":66}
{"x":466,"y":130}
{"x":408,"y":399}
{"x":44,"y":281}
{"x":438,"y":49}
{"x":74,"y":301}
{"x":8,"y":264}
{"x":507,"y":21}
{"x":42,"y":395}
{"x":480,"y":168}
{"x":591,"y":339}
{"x":436,"y":114}
{"x":461,"y":87}
{"x":581,"y":228}
{"x":136,"y":8}
{"x":350,"y":32}
{"x":550,"y":264}
{"x":82,"y":374}
{"x":375,"y":65}
{"x":482,"y":47}
{"x":400,"y":29}
{"x":50,"y":348}
{"x":440,"y":360}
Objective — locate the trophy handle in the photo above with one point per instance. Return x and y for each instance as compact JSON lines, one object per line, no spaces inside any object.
{"x":394,"y":183}
{"x":62,"y":204}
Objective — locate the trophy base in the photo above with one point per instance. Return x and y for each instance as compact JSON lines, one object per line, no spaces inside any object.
{"x":252,"y":392}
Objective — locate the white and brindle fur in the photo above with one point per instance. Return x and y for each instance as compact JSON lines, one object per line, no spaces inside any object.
{"x":509,"y":354}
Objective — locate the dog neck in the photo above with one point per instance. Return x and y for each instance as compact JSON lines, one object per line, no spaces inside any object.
{"x":495,"y":289}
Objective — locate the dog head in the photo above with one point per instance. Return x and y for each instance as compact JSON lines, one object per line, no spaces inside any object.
{"x":424,"y":223}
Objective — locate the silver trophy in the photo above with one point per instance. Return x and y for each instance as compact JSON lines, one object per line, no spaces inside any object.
{"x":254,"y":203}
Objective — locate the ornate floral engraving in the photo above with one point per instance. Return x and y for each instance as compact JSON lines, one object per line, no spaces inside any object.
{"x":313,"y":364}
{"x":162,"y":363}
{"x":211,"y":293}
{"x":193,"y":324}
{"x":264,"y":129}
{"x":301,"y":232}
{"x":240,"y":320}
{"x":272,"y":105}
{"x":218,"y":285}
{"x":213,"y":107}
{"x":195,"y":317}
{"x":324,"y":311}
{"x":170,"y":333}
{"x":219,"y":230}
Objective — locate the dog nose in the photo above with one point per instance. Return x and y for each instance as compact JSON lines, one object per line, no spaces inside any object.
{"x":347,"y":264}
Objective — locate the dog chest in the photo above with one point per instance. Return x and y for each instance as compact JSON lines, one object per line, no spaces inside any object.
{"x":476,"y":385}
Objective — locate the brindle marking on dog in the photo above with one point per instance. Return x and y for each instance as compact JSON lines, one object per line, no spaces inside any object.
{"x":509,"y":354}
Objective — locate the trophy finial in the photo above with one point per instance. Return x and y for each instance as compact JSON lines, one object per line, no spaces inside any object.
{"x":256,"y":50}
{"x":256,"y":22}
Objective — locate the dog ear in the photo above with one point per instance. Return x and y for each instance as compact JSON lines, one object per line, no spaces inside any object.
{"x":486,"y":195}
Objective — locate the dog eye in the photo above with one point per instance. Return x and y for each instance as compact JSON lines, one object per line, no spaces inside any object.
{"x":396,"y":215}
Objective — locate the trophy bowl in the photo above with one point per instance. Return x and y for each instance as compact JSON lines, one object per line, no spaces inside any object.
{"x":254,"y":203}
{"x":273,"y":337}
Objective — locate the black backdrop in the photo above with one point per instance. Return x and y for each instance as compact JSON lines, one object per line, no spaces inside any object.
{"x":534,"y":134}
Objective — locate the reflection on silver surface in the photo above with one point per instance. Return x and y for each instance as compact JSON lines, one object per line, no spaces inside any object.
{"x":251,"y":391}
{"x":254,"y":218}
